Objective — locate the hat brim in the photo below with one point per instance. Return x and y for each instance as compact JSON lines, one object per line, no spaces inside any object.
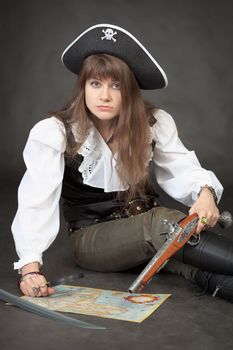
{"x":121,"y":44}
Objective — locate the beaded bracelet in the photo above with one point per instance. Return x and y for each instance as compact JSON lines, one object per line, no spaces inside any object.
{"x":212,"y":190}
{"x":28,"y":275}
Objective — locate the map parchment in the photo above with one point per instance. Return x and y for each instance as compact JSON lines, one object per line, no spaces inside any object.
{"x":102,"y":303}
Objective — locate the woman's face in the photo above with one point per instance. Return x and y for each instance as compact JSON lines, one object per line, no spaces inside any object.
{"x":103,"y":98}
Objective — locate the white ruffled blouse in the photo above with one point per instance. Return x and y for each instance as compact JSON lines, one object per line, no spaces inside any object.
{"x":36,"y":222}
{"x":98,"y":162}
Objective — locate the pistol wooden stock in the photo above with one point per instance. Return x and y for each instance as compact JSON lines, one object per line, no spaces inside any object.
{"x":176,"y":239}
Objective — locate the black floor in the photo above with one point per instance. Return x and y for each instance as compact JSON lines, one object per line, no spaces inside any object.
{"x":184,"y":321}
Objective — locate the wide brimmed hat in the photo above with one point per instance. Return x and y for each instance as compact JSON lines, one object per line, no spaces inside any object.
{"x":116,"y":41}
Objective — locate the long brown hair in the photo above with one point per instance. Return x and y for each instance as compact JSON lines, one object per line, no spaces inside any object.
{"x":131,"y":129}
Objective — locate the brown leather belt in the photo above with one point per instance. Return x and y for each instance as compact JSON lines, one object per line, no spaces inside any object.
{"x":134,"y":207}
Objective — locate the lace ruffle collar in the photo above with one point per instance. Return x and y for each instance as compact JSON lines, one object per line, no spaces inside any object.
{"x":99,"y":165}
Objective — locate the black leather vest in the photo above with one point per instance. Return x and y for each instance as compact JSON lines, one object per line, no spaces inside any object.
{"x":82,"y":204}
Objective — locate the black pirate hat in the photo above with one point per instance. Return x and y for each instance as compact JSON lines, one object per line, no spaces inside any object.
{"x":115,"y":41}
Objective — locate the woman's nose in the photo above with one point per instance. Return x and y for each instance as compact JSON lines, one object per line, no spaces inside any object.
{"x":105,"y":94}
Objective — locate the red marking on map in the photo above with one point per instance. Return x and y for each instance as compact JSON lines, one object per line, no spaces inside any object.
{"x":141,"y":299}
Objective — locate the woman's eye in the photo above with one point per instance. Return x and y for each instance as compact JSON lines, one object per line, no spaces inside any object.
{"x":116,"y":85}
{"x":95,"y":83}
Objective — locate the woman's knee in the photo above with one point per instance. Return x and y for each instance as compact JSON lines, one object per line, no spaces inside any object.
{"x":155,"y":228}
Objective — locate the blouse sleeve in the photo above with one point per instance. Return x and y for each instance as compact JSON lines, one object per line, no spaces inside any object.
{"x":178,"y":170}
{"x":36,"y":222}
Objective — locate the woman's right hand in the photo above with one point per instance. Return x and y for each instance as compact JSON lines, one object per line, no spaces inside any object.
{"x":34,"y":285}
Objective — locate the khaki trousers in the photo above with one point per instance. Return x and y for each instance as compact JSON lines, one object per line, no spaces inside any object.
{"x":125,"y":243}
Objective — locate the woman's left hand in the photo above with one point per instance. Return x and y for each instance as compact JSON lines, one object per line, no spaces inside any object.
{"x":205,"y":207}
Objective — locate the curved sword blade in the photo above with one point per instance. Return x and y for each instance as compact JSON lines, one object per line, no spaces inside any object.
{"x":42,"y":311}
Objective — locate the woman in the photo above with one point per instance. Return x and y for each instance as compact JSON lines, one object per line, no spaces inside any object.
{"x":97,"y":153}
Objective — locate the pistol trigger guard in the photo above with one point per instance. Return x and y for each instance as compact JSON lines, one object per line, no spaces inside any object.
{"x":194,"y":240}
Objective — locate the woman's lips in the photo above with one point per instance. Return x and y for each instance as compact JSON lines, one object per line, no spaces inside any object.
{"x":104,"y":108}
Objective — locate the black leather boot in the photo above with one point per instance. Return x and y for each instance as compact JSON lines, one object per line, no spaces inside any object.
{"x":214,"y":253}
{"x":218,"y":285}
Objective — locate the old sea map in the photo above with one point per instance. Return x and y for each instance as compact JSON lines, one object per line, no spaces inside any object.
{"x":103,"y":303}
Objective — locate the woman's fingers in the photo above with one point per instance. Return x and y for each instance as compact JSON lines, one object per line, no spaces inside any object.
{"x":36,"y":286}
{"x":206,"y":210}
{"x":200,"y":227}
{"x":51,"y":290}
{"x":29,"y":289}
{"x":208,"y":215}
{"x":211,"y":217}
{"x":45,"y":290}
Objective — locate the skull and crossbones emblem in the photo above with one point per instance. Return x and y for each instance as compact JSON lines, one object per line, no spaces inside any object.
{"x":109,"y":33}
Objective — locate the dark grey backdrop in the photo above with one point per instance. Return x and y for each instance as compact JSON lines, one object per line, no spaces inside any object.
{"x":191,"y":39}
